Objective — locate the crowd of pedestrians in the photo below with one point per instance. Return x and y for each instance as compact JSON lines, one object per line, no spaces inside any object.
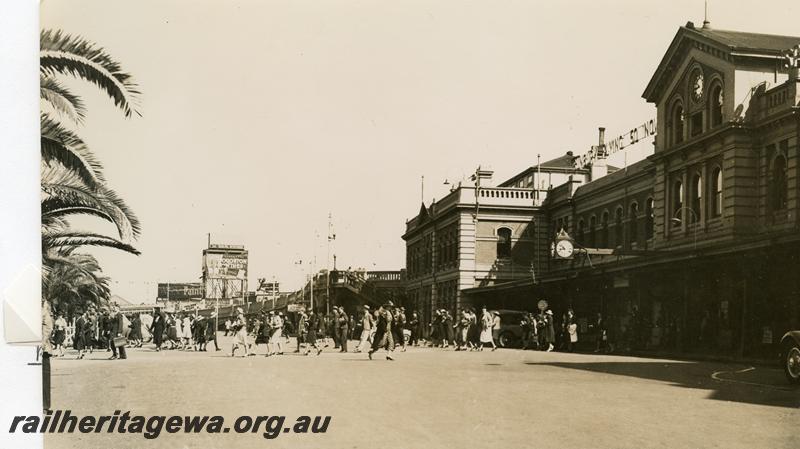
{"x":388,"y":327}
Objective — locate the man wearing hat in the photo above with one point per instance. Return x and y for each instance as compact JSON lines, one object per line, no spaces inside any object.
{"x":549,"y":330}
{"x":157,"y":327}
{"x":383,"y":332}
{"x":343,"y":324}
{"x":211,"y":330}
{"x":367,"y":324}
{"x":302,"y":329}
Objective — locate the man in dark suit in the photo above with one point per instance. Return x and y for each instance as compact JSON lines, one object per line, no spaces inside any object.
{"x":157,"y":327}
{"x":116,"y":325}
{"x":344,"y":329}
{"x":104,"y":329}
{"x":211,"y":329}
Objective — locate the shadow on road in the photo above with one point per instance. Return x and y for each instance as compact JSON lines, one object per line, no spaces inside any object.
{"x":765,"y":389}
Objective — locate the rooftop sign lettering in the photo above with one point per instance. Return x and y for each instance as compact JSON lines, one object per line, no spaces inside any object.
{"x":632,"y":137}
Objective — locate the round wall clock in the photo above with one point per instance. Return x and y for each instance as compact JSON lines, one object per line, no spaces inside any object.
{"x":564,"y":249}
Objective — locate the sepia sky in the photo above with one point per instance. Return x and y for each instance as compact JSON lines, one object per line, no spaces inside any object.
{"x":261,"y":117}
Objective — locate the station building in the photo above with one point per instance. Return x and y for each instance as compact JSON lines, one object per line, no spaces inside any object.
{"x":694,"y":249}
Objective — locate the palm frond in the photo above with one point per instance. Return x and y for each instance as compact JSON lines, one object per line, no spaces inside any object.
{"x":61,"y":99}
{"x":72,"y":55}
{"x":64,"y":193}
{"x":54,"y":224}
{"x":65,"y":147}
{"x":75,"y":239}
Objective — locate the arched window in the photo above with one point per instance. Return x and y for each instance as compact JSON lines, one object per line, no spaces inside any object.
{"x":633,"y":223}
{"x":715,"y":100}
{"x":677,"y":204}
{"x":619,"y":235}
{"x":651,"y":219}
{"x":780,"y":185}
{"x":581,"y":231}
{"x":677,"y":123}
{"x":697,"y":198}
{"x":716,"y":198}
{"x":503,"y":243}
{"x":592,"y":243}
{"x":604,"y":231}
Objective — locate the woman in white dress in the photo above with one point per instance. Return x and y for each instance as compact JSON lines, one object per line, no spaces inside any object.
{"x":486,"y":329}
{"x":186,"y":336}
{"x":178,"y":331}
{"x":240,"y":337}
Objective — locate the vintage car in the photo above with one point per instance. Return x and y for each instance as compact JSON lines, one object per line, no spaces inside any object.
{"x":510,"y":327}
{"x":790,"y":356}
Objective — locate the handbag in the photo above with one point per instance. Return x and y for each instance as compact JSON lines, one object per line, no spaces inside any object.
{"x":120,"y":341}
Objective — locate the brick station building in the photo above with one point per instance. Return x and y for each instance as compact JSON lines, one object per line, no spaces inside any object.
{"x":694,"y":249}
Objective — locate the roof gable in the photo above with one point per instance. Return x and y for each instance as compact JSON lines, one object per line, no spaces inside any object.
{"x":725,"y":44}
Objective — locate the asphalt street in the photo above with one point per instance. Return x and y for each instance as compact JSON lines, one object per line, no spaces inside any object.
{"x":436,"y":398}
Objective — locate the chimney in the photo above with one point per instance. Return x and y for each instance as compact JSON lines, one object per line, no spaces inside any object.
{"x":599,"y":167}
{"x":485,"y":177}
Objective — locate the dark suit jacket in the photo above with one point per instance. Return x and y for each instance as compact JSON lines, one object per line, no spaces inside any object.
{"x":159,"y":323}
{"x":116,"y":325}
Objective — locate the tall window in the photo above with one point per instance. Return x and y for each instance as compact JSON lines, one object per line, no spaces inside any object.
{"x":651,"y":219}
{"x":604,"y":231}
{"x":716,"y":198}
{"x":581,"y":230}
{"x":592,"y":243}
{"x":619,"y":235}
{"x":503,"y":243}
{"x":697,"y":198}
{"x":677,"y":204}
{"x":715,"y":105}
{"x":780,"y":185}
{"x":677,"y":124}
{"x":696,"y":123}
{"x":633,"y":223}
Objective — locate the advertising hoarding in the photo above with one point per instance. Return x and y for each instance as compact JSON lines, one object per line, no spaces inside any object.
{"x":225,"y":271}
{"x":180,"y":290}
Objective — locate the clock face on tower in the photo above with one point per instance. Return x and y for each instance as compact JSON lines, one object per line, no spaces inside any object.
{"x":564,"y":249}
{"x":697,"y":86}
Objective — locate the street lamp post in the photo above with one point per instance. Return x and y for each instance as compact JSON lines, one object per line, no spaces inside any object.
{"x":679,"y":220}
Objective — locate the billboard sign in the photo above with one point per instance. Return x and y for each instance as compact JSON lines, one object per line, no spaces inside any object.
{"x":178,"y":290}
{"x":225,"y":265}
{"x":225,"y":271}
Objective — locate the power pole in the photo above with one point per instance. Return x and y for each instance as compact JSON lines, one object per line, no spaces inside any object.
{"x":331,"y":236}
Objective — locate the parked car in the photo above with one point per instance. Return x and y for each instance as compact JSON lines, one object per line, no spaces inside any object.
{"x":510,"y":327}
{"x":790,"y":356}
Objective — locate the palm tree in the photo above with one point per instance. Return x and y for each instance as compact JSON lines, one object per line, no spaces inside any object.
{"x":74,"y":281}
{"x":72,"y":178}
